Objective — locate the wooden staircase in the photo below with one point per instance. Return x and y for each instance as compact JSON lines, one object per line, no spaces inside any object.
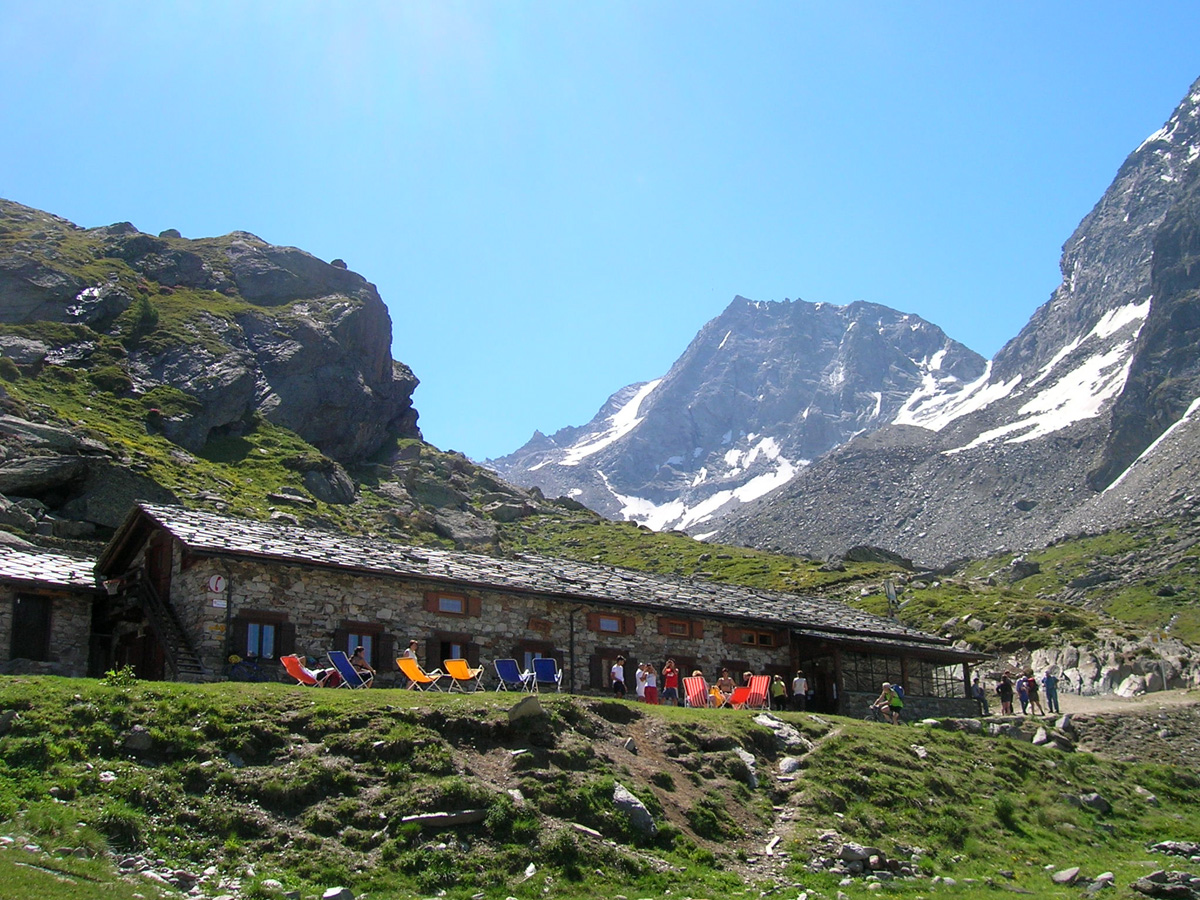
{"x":182,"y":661}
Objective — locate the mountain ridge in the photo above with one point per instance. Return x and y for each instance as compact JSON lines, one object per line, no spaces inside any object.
{"x":762,"y":389}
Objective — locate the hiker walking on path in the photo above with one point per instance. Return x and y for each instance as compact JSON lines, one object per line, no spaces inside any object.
{"x":1050,"y":683}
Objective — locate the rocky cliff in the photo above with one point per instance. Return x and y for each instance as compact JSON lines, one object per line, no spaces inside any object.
{"x":223,"y":372}
{"x":243,"y":327}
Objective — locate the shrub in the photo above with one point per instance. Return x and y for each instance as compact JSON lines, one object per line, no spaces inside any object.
{"x":112,"y":379}
{"x":8,"y":369}
{"x":1006,"y":812}
{"x":120,"y":678}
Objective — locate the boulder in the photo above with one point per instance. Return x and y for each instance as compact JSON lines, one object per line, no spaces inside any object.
{"x":787,"y":737}
{"x":138,"y":740}
{"x":38,"y":475}
{"x":464,"y":528}
{"x":1065,"y":876}
{"x":635,"y":809}
{"x":330,"y":485}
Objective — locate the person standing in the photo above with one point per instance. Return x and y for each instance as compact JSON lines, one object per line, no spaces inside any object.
{"x":640,"y":680}
{"x":799,"y":692}
{"x":778,"y":693}
{"x":1031,"y":688}
{"x":650,"y":694}
{"x":617,"y":676}
{"x":670,"y":688}
{"x":1005,"y":690}
{"x":1023,"y":695}
{"x":1050,"y":684}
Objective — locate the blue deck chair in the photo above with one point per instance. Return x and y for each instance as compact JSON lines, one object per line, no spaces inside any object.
{"x":511,"y":677}
{"x":546,"y":672}
{"x":351,"y":677}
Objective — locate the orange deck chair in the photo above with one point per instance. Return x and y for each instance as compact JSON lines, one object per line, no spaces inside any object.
{"x":420,"y":679}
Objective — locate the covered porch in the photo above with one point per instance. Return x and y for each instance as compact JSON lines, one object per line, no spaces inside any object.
{"x":846,"y":673}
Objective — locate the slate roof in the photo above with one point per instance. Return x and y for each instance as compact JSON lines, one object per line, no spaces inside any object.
{"x":210,"y":533}
{"x":39,"y":567}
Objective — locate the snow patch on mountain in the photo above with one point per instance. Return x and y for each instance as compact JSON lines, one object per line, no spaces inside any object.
{"x":1080,"y":394}
{"x":678,"y":514}
{"x":620,"y":423}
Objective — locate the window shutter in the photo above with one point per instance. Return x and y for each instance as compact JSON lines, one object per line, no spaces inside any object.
{"x":341,"y":641}
{"x":628,"y":625}
{"x":732,"y":634}
{"x":697,"y":630}
{"x":241,"y":633}
{"x":431,"y":601}
{"x":286,"y":643}
{"x":474,"y":606}
{"x":385,"y":652}
{"x":664,"y":625}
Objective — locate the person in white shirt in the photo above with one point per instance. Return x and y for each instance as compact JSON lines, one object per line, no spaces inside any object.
{"x":650,"y":694}
{"x":799,"y":692}
{"x":641,"y":682}
{"x":617,"y":675}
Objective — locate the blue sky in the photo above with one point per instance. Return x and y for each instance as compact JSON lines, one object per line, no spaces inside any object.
{"x":553,"y":197}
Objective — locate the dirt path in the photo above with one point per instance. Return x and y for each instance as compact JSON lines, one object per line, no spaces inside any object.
{"x":1107,"y":703}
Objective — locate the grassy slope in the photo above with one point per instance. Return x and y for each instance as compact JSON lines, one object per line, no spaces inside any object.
{"x":309,"y":787}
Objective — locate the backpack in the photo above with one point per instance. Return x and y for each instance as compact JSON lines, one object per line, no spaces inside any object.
{"x":899,"y":691}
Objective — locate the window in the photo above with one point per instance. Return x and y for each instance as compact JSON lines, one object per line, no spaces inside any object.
{"x":611,"y":623}
{"x":261,"y":633}
{"x":260,"y":640}
{"x":366,"y":641}
{"x":758,"y":638}
{"x":452,"y":605}
{"x":680,"y":628}
{"x":866,"y":672}
{"x":377,"y":646}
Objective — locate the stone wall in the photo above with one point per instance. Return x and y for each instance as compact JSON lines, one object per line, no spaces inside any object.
{"x":501,"y":624}
{"x":70,"y":632}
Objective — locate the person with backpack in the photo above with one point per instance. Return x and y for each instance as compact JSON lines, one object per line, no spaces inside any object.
{"x":1031,"y":688}
{"x":890,"y":700}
